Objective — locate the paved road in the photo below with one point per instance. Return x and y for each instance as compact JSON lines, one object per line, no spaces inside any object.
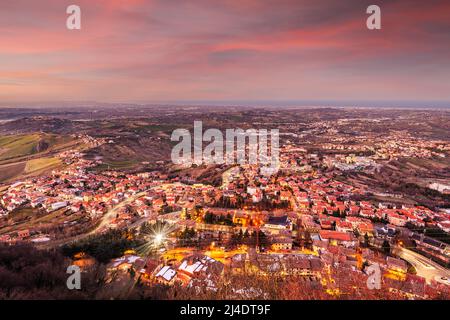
{"x":105,"y":220}
{"x":111,"y":214}
{"x":425,"y":267}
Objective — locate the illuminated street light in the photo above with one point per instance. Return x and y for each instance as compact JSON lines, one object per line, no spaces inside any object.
{"x":156,"y":236}
{"x":158,"y":239}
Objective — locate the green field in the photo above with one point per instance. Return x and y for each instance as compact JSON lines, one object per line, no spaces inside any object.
{"x":17,"y":146}
{"x":41,"y":164}
{"x":24,"y":169}
{"x":116,"y":165}
{"x":29,"y":155}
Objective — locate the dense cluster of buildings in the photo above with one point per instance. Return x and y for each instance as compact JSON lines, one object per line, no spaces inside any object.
{"x":301,"y":222}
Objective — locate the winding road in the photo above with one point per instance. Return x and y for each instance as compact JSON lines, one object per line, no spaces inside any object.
{"x":425,"y":267}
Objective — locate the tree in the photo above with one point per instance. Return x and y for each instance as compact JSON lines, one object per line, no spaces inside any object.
{"x":132,"y":272}
{"x":31,"y":274}
{"x":240,"y":235}
{"x":386,"y":247}
{"x":235,"y":239}
{"x":337,"y":213}
{"x":208,"y":218}
{"x":263,"y":240}
{"x":308,"y":240}
{"x":366,"y":239}
{"x":186,"y":237}
{"x":104,"y":247}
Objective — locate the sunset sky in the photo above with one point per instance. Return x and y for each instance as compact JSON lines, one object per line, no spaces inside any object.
{"x":217,"y":50}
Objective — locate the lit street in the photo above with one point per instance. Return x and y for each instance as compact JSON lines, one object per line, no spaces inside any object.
{"x":426,"y":268}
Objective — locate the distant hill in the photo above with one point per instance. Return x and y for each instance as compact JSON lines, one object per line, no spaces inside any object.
{"x":37,"y":124}
{"x":129,"y":153}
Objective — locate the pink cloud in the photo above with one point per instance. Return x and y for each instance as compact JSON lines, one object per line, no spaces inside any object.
{"x":158,"y":50}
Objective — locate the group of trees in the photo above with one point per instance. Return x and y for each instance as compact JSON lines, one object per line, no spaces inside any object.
{"x":167,"y":209}
{"x":250,"y":238}
{"x":227,"y":202}
{"x":335,"y":213}
{"x":210,"y":218}
{"x":103,"y":247}
{"x":186,"y":237}
{"x":29,"y":273}
{"x":271,"y":204}
{"x":438,"y":234}
{"x":239,"y":202}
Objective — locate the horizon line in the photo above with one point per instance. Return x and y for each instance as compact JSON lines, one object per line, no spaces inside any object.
{"x":243,"y":103}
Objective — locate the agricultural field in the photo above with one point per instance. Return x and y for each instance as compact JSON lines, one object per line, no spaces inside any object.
{"x":31,"y":168}
{"x":17,"y":148}
{"x":33,"y":218}
{"x":37,"y":166}
{"x":10,"y":171}
{"x":31,"y":155}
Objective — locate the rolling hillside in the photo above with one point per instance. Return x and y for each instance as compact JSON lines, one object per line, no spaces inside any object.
{"x":31,"y":154}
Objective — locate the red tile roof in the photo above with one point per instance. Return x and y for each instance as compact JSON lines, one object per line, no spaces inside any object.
{"x":335,"y":235}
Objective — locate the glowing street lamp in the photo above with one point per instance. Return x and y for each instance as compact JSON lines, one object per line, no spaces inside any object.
{"x":158,"y":239}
